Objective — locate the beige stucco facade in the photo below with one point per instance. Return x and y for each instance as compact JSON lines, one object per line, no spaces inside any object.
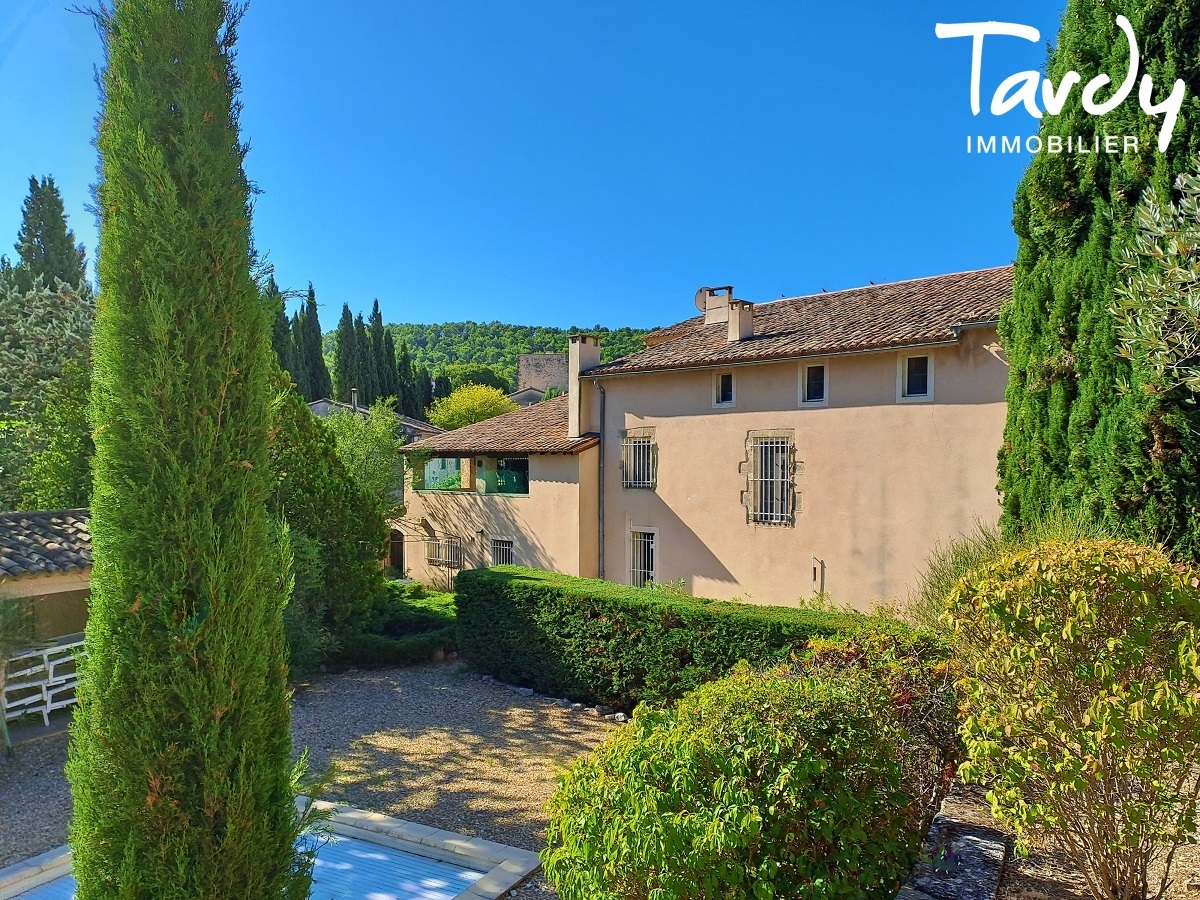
{"x":553,"y":527}
{"x":879,"y":479}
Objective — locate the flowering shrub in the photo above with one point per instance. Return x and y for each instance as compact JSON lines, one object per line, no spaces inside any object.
{"x":1083,"y":691}
{"x":757,"y":785}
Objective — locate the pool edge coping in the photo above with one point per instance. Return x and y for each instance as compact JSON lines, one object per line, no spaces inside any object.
{"x":504,"y":867}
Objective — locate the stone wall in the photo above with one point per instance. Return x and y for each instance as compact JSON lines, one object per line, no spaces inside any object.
{"x":542,"y":371}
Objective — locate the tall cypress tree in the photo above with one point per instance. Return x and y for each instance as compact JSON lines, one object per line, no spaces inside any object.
{"x":320,"y":385}
{"x":45,"y":246}
{"x":1075,"y":438}
{"x":408,"y":398}
{"x":382,"y":369}
{"x":180,"y":753}
{"x":365,"y":363}
{"x":345,"y":362}
{"x":299,"y":357}
{"x":392,"y":386}
{"x":281,"y":329}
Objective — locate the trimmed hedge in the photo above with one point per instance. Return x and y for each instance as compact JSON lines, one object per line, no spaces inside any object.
{"x":405,"y":627}
{"x":594,"y":641}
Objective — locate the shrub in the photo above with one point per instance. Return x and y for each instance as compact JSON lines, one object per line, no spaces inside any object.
{"x":408,"y":625}
{"x":596,"y":641}
{"x":1083,"y":687}
{"x":757,"y":785}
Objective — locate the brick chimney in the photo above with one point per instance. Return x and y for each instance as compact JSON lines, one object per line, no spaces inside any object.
{"x":584,"y":415}
{"x":741,"y":320}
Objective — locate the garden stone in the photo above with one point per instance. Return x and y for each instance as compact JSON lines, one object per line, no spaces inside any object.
{"x":523,"y":691}
{"x":577,"y":707}
{"x":970,"y":861}
{"x":592,"y":711}
{"x":604,"y":710}
{"x":565,"y":704}
{"x":620,"y":717}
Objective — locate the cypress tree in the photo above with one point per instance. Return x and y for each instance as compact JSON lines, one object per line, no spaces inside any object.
{"x":46,"y":247}
{"x":383,"y":367}
{"x":1086,"y":428}
{"x":343,"y":364}
{"x":320,"y":385}
{"x":408,"y":399}
{"x":281,"y":330}
{"x":299,"y":356}
{"x":367,"y":386}
{"x":180,"y":752}
{"x":425,"y":394}
{"x":391,"y":387}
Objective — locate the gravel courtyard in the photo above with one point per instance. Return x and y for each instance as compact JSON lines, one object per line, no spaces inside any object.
{"x":430,"y":744}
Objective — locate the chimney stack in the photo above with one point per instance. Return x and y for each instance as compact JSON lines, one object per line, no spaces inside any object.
{"x":714,"y":303}
{"x":583,"y":415}
{"x":354,"y":399}
{"x":741,"y":320}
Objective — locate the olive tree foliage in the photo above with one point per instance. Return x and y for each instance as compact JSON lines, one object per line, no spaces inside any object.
{"x":181,"y":753}
{"x":1082,"y":689}
{"x":1157,"y":307}
{"x":369,"y":450}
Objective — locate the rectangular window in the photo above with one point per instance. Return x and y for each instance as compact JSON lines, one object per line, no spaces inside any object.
{"x":640,"y":462}
{"x":444,"y":552}
{"x":443,"y":475}
{"x":771,"y":488}
{"x":723,"y":389}
{"x":502,"y":552}
{"x":916,"y":376}
{"x":814,"y":384}
{"x":642,"y":557}
{"x":512,"y":475}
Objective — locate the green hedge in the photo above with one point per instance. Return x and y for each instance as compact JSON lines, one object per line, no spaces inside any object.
{"x":405,"y":626}
{"x":594,"y":641}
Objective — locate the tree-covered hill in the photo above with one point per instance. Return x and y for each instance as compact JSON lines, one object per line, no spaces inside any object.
{"x":497,"y":344}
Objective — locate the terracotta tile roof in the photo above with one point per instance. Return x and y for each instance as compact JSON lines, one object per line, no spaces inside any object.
{"x":541,"y":428}
{"x":43,"y":542}
{"x":876,"y":317}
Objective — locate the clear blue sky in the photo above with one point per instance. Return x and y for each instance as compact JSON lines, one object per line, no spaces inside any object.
{"x":552,"y":162}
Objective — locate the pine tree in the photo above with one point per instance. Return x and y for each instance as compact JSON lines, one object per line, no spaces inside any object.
{"x":345,"y":366}
{"x":1074,"y":437}
{"x":180,"y":753}
{"x":45,"y":246}
{"x":320,"y":385}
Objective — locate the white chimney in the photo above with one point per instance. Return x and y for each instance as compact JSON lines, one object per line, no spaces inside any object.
{"x":584,"y":414}
{"x":741,"y":320}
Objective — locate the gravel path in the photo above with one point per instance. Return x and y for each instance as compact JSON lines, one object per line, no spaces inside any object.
{"x":430,"y":744}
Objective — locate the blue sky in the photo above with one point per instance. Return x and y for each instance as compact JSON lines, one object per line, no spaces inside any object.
{"x":559,"y":163}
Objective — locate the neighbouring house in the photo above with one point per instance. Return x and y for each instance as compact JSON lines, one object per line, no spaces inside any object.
{"x":406,"y":426}
{"x":767,"y":452}
{"x":46,"y":556}
{"x":536,"y":374}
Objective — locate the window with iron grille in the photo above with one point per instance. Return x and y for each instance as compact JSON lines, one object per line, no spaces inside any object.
{"x":771,"y":480}
{"x":643,"y":557}
{"x":640,"y":461}
{"x":502,"y":552}
{"x":445,"y":552}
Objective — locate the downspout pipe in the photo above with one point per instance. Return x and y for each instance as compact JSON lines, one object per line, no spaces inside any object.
{"x":600,"y":504}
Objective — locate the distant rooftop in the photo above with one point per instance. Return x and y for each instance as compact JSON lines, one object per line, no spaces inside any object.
{"x":414,"y":427}
{"x":874,"y":317}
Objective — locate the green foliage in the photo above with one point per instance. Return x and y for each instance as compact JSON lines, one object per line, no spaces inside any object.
{"x":180,"y":756}
{"x":1083,"y":686}
{"x":407,"y":626}
{"x":462,"y":374}
{"x":46,"y":248}
{"x":469,"y":404}
{"x":754,"y":786}
{"x":593,"y":640}
{"x":498,"y":345}
{"x":309,"y":370}
{"x":1073,"y":437}
{"x":949,"y":563}
{"x":1158,"y":308}
{"x":552,"y":392}
{"x":315,"y":494}
{"x":59,"y":439}
{"x":369,"y":449}
{"x":310,"y":640}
